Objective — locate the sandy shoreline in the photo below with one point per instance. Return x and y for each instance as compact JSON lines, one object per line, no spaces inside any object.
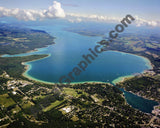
{"x":122,"y":79}
{"x":35,"y":50}
{"x":115,"y":81}
{"x":149,"y":64}
{"x":52,"y":83}
{"x":28,"y":67}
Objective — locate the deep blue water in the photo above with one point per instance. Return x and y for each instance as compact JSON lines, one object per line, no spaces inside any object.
{"x":139,"y":102}
{"x":67,"y":53}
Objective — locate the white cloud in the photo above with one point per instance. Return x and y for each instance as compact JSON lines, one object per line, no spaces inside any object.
{"x":54,"y":11}
{"x":141,"y":22}
{"x":138,"y":22}
{"x":79,"y":17}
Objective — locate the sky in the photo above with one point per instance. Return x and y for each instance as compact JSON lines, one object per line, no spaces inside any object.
{"x":145,"y":11}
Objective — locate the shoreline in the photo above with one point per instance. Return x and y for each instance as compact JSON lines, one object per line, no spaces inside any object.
{"x":35,"y":50}
{"x":115,"y":81}
{"x":122,"y":79}
{"x":143,"y":97}
{"x":54,"y":83}
{"x":148,"y":62}
{"x":28,"y":67}
{"x":158,"y":103}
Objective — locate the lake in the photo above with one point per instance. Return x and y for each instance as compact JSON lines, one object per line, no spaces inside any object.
{"x":67,"y":53}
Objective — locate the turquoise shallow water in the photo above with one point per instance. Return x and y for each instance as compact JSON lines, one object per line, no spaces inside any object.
{"x":67,"y":53}
{"x":107,"y":67}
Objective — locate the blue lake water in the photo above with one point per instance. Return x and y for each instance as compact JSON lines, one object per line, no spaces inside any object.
{"x":67,"y":53}
{"x":139,"y":102}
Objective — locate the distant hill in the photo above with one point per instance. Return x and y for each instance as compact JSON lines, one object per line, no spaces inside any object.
{"x":15,"y":40}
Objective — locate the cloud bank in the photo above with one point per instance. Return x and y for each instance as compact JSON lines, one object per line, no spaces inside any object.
{"x":54,"y":11}
{"x":72,"y":17}
{"x":141,"y":22}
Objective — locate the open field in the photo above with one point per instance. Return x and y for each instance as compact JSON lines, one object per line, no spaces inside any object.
{"x":53,"y":105}
{"x":6,"y":100}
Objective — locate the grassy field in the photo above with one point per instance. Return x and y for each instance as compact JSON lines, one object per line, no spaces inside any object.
{"x":6,"y":100}
{"x":38,"y":97}
{"x":16,"y":109}
{"x":70,"y":91}
{"x":75,"y":118}
{"x":27,"y":104}
{"x":53,"y":105}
